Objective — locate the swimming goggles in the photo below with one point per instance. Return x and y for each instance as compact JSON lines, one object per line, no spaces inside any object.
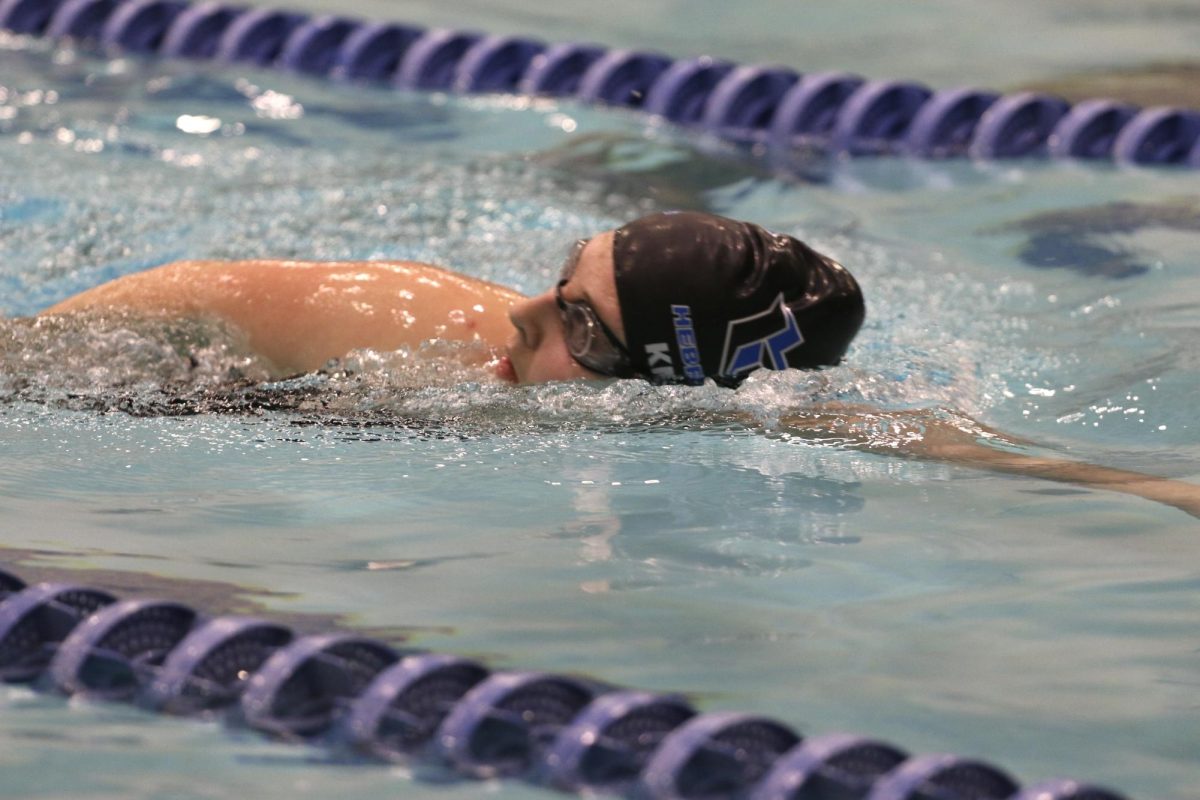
{"x":582,"y":328}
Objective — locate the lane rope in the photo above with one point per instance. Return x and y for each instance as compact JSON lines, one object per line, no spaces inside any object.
{"x":359,"y":696}
{"x":769,"y":109}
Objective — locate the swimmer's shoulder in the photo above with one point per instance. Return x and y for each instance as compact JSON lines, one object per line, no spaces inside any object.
{"x":200,"y":284}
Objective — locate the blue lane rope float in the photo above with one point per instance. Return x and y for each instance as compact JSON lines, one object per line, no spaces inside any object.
{"x":358,"y":695}
{"x":404,"y":706}
{"x":109,"y":655}
{"x":205,"y":670}
{"x":938,"y":775}
{"x":771,"y":109}
{"x":36,"y":620}
{"x":499,"y":727}
{"x":299,"y":690}
{"x":876,"y":117}
{"x":721,"y":754}
{"x":834,"y":765}
{"x":606,"y":747}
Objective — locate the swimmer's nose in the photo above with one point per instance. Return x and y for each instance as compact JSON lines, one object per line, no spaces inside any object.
{"x":519,"y":315}
{"x":534,"y":317}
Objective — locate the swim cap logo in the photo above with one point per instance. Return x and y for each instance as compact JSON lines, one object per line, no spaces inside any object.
{"x":761,"y":340}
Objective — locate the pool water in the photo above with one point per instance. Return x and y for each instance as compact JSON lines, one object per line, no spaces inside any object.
{"x":610,"y":529}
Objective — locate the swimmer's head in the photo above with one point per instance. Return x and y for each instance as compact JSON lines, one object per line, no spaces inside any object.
{"x":703,"y":296}
{"x":680,"y":297}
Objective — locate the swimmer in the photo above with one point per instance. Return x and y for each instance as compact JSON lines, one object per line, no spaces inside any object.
{"x":670,"y":298}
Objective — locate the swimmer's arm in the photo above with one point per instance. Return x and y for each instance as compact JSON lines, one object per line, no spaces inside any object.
{"x":928,"y":435}
{"x":298,"y":315}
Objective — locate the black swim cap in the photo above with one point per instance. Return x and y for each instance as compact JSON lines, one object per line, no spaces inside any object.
{"x":703,"y":296}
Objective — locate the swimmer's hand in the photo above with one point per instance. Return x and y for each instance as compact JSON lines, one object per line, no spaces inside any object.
{"x":935,"y":435}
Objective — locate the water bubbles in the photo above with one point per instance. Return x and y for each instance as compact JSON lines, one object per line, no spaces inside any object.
{"x":98,"y":361}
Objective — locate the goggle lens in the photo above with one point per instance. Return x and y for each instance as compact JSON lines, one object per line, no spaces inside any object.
{"x":588,"y":339}
{"x":579,"y":329}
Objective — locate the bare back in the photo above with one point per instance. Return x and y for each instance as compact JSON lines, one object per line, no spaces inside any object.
{"x":300,"y":314}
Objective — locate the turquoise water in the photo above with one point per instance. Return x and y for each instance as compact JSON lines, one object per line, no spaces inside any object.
{"x":602,"y":529}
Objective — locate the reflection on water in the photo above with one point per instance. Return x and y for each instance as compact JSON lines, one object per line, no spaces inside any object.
{"x":1084,"y":239}
{"x":1174,"y":83}
{"x":209,"y":597}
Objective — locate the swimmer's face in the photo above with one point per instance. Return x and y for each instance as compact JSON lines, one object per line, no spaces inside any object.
{"x":538,"y":349}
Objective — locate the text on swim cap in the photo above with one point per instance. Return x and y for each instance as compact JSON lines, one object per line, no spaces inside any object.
{"x":658,"y":356}
{"x":685,"y":338}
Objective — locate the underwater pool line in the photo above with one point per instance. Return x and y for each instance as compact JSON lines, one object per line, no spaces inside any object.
{"x":771,"y":110}
{"x":360,"y":698}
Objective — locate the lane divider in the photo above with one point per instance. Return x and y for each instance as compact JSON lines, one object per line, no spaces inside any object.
{"x":358,"y":695}
{"x":768,"y":108}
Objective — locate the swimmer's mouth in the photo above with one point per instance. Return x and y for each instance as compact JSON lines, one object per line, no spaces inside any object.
{"x":505,"y":370}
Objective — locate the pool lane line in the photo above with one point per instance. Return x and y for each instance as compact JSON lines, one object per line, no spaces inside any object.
{"x":769,"y":110}
{"x":362,"y":698}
